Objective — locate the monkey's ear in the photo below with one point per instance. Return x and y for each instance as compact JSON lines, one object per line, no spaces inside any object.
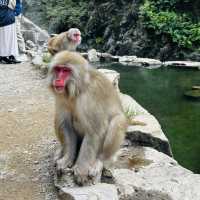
{"x":67,"y":34}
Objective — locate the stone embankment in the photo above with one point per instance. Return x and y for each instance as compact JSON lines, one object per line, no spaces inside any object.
{"x":94,"y":56}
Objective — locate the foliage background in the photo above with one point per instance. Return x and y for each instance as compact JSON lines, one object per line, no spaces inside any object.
{"x":165,"y":29}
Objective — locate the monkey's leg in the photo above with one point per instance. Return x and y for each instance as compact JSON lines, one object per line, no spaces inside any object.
{"x":88,"y":168}
{"x":114,"y":137}
{"x":69,"y":148}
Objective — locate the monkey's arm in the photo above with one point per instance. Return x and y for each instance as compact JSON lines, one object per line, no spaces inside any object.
{"x":88,"y":167}
{"x":68,"y":140}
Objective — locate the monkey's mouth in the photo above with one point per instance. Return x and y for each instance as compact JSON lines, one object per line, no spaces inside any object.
{"x":59,"y":85}
{"x":59,"y":89}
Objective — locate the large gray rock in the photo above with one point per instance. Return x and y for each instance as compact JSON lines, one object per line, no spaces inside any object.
{"x":140,"y":62}
{"x":127,"y":58}
{"x":37,"y":61}
{"x":147,"y":134}
{"x":182,"y":64}
{"x":131,"y":105}
{"x":138,"y":173}
{"x":92,"y":55}
{"x":152,"y":175}
{"x":101,"y":191}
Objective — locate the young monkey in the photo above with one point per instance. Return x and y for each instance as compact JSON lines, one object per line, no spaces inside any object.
{"x":68,"y":40}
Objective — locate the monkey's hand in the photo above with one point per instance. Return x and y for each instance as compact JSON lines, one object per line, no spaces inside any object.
{"x":62,"y":165}
{"x":88,"y":176}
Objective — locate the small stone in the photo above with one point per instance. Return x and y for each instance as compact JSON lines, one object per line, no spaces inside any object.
{"x":36,"y":162}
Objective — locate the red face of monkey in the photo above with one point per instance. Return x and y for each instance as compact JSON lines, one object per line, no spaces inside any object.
{"x":61,"y":76}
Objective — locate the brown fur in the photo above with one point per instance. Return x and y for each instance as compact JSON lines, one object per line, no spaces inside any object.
{"x":89,"y":112}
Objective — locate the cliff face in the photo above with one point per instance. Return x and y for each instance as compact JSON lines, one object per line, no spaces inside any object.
{"x":112,"y":26}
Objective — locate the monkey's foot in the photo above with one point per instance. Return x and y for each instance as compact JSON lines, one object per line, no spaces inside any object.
{"x":62,"y":165}
{"x":89,"y":176}
{"x":95,"y":171}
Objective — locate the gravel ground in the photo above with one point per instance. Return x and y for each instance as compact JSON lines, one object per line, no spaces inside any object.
{"x":27,"y":140}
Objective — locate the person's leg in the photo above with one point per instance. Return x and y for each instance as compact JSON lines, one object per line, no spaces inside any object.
{"x":9,"y":46}
{"x":4,"y":47}
{"x":14,"y":46}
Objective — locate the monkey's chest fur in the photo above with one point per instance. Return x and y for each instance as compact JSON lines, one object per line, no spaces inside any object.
{"x":86,"y":114}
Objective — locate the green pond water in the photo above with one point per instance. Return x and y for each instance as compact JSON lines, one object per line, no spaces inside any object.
{"x":161,"y":92}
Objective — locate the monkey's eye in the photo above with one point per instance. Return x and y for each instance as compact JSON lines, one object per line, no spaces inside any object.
{"x":76,"y":34}
{"x":57,"y":69}
{"x":66,"y":70}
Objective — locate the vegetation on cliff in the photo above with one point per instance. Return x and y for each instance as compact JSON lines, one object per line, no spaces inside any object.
{"x":168,"y":17}
{"x":154,"y":28}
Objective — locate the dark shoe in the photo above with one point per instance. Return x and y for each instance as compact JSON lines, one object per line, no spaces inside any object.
{"x":6,"y":60}
{"x":13,"y":59}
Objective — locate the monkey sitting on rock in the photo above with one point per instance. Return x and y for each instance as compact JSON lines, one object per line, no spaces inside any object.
{"x":89,"y":120}
{"x":68,"y":40}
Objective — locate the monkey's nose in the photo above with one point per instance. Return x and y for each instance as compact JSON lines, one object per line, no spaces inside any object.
{"x":59,"y":82}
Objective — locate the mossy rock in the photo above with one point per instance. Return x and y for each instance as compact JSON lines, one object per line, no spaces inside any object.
{"x":46,"y":57}
{"x":194,"y":94}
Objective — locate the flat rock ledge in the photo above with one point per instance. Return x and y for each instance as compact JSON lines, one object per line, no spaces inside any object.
{"x":94,"y":56}
{"x":140,"y":62}
{"x":139,"y":173}
{"x":182,"y":64}
{"x":158,"y":177}
{"x":101,"y":191}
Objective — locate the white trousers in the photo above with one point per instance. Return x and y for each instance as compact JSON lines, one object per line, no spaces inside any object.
{"x":8,"y":40}
{"x":20,"y":39}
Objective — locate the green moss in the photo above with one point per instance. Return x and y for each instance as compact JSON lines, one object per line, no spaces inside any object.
{"x":99,"y":40}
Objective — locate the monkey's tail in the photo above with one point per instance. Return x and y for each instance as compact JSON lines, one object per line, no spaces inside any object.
{"x":114,"y":137}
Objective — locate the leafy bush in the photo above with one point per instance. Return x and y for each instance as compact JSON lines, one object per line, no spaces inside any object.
{"x":168,"y":4}
{"x":165,"y":20}
{"x":64,"y":14}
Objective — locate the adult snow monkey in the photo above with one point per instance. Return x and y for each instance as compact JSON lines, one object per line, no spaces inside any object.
{"x":89,"y":121}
